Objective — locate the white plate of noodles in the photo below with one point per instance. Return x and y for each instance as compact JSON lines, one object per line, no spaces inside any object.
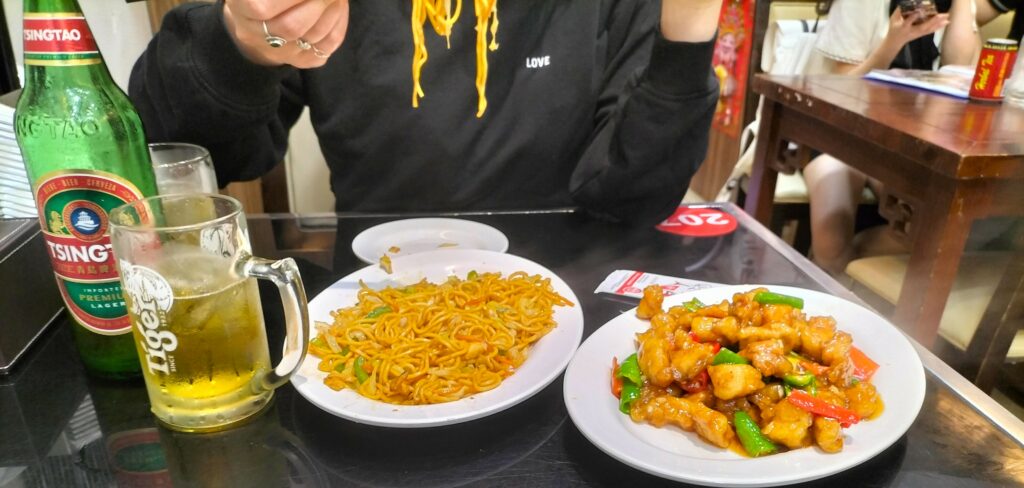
{"x":386,"y":365}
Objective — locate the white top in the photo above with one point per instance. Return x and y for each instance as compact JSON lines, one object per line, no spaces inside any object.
{"x":855,"y":29}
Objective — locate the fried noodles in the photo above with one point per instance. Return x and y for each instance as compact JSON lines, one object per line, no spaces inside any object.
{"x":434,"y":343}
{"x":442,"y":18}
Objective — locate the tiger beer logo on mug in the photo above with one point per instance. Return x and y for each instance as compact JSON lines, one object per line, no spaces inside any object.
{"x":150,"y":298}
{"x":218,"y":240}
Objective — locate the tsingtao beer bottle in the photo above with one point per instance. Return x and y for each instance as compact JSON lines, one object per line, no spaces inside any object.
{"x":85,"y":153}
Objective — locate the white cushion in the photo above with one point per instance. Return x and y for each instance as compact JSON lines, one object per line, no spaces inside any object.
{"x":793,"y":189}
{"x":973,"y":288}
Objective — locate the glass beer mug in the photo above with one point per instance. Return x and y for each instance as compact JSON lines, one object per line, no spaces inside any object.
{"x":188,"y":279}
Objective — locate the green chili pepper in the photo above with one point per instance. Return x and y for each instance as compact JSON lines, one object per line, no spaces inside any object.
{"x":786,"y":389}
{"x":629,"y":393}
{"x":344,"y":351}
{"x":754,"y":442}
{"x":726,"y":356}
{"x":769,"y":298}
{"x":693,"y":305}
{"x":360,"y":373}
{"x":319,"y":342}
{"x":630,"y":370}
{"x":798,"y":380}
{"x":377,"y":312}
{"x":340,"y":367}
{"x":813,"y":387}
{"x":472,"y":275}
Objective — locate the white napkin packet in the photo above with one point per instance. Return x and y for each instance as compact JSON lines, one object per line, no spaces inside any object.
{"x":631,"y":283}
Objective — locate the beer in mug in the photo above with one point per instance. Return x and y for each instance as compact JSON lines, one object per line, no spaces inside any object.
{"x":190,"y":289}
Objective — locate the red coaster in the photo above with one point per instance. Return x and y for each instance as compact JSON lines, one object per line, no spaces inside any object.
{"x":699,"y":222}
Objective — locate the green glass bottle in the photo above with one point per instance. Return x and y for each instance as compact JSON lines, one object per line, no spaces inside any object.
{"x":85,"y":152}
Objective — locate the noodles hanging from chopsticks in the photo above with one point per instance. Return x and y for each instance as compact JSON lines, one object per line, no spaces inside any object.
{"x":442,"y":18}
{"x":434,"y":343}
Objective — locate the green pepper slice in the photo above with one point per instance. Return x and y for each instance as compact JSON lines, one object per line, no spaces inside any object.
{"x":753,"y":440}
{"x":377,"y":312}
{"x":357,"y":369}
{"x":769,"y":298}
{"x":693,"y":305}
{"x":630,"y":370}
{"x":630,"y":392}
{"x":726,"y":356}
{"x":798,"y":380}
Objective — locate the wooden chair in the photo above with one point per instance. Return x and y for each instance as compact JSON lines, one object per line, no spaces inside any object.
{"x":982,"y":326}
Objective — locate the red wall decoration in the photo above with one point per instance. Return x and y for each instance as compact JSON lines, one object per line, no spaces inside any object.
{"x":731,"y":62}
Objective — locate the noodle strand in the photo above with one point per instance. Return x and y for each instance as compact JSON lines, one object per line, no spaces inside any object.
{"x":442,"y":18}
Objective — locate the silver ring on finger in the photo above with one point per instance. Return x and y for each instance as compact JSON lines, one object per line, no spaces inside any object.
{"x":272,"y":40}
{"x":303,"y":44}
{"x":318,"y":53}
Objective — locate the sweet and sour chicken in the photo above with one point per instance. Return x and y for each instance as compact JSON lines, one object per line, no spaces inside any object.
{"x":754,"y":374}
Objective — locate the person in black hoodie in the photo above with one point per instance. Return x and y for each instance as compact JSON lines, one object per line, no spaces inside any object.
{"x":604,"y":104}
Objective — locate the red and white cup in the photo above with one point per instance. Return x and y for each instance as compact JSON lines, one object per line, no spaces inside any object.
{"x":994,"y":67}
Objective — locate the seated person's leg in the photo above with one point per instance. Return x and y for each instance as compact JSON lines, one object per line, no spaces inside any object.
{"x":835,"y":191}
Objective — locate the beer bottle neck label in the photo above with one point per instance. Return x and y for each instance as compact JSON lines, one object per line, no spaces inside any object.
{"x":73,"y":207}
{"x":59,"y":39}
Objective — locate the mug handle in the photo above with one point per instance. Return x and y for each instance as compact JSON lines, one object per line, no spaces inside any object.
{"x":284,"y":274}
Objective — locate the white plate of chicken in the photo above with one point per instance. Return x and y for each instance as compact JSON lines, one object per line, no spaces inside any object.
{"x":745,"y":386}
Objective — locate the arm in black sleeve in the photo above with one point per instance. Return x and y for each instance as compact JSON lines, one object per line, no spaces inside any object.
{"x":652,"y":123}
{"x":193,"y":85}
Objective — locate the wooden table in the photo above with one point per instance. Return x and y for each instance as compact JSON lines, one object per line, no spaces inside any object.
{"x":949,"y":163}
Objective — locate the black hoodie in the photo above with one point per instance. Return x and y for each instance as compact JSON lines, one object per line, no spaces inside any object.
{"x":588,"y":105}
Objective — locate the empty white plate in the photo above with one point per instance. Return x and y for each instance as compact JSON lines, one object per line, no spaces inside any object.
{"x":413,"y":236}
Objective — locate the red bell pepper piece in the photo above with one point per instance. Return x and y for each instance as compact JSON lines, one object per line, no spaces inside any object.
{"x":616,"y":381}
{"x":817,"y":406}
{"x":813,"y":367}
{"x":716,"y":345}
{"x":863,"y":367}
{"x":697,"y":383}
